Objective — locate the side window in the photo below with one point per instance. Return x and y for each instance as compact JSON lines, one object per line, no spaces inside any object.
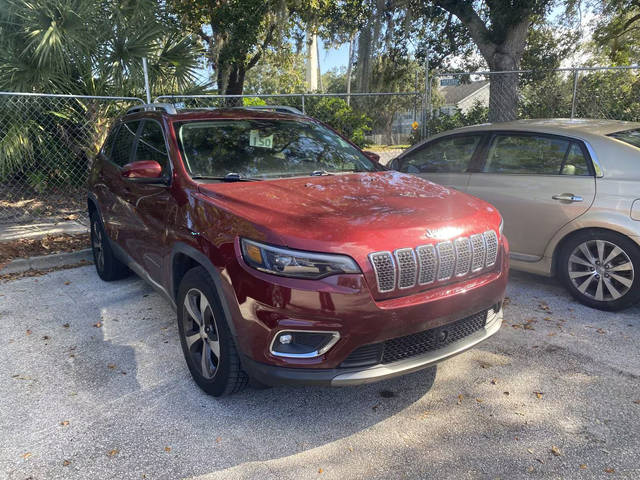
{"x":448,"y":155}
{"x":151,"y":145}
{"x":575,"y":163}
{"x":123,"y":143}
{"x":535,"y":155}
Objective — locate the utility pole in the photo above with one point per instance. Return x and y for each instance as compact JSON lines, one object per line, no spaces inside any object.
{"x":349,"y":69}
{"x":145,"y":70}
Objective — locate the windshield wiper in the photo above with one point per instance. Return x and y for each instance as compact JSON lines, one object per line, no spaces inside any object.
{"x":229,"y":177}
{"x":320,"y":173}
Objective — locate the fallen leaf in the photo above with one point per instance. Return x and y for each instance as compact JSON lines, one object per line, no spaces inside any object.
{"x":601,"y":331}
{"x":531,"y":469}
{"x":111,"y":365}
{"x":350,"y":449}
{"x":67,"y":283}
{"x":218,"y":439}
{"x":65,"y":325}
{"x":506,"y":393}
{"x":26,"y":455}
{"x":97,"y":325}
{"x":516,"y":325}
{"x":528,"y":327}
{"x":539,"y":394}
{"x":113,"y":452}
{"x":46,"y":337}
{"x":66,"y":463}
{"x":29,"y":332}
{"x":556,"y":451}
{"x":610,"y":470}
{"x":637,"y":402}
{"x":583,"y":467}
{"x":460,"y":397}
{"x":540,"y":460}
{"x":64,"y":423}
{"x":479,"y":400}
{"x":494,"y":381}
{"x":530,"y":451}
{"x":167,"y":449}
{"x":320,"y":470}
{"x":552,"y":334}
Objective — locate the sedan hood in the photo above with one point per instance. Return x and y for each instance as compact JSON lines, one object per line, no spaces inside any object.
{"x":355,"y":213}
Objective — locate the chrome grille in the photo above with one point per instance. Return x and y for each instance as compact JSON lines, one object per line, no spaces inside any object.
{"x":463,"y":256}
{"x":385,"y":271}
{"x":479,"y":251}
{"x":434,"y":263}
{"x":491,"y":239}
{"x":407,"y":267}
{"x":447,"y":257}
{"x":428,"y":264}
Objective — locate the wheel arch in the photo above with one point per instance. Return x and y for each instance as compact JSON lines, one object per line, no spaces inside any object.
{"x":185,"y":257}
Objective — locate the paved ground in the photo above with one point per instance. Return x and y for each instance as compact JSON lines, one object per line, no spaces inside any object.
{"x":93,"y":385}
{"x":40,"y":228}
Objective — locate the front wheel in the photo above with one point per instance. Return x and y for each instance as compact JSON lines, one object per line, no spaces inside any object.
{"x":207,"y":343}
{"x":108,"y":266}
{"x":601,"y":269}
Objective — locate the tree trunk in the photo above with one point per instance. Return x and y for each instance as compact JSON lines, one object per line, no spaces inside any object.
{"x":503,"y":89}
{"x":235,"y":85}
{"x":349,"y":69}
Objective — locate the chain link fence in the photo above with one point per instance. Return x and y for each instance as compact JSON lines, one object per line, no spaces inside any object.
{"x":457,"y":99}
{"x":47,"y":143}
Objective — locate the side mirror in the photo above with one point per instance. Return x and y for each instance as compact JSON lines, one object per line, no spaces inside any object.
{"x":143,"y":171}
{"x":372,"y":156}
{"x":394,"y":164}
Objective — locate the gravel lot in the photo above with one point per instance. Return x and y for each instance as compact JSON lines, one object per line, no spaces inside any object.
{"x":93,"y":385}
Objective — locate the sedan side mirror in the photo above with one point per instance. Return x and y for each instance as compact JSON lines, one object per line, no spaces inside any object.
{"x":143,"y":171}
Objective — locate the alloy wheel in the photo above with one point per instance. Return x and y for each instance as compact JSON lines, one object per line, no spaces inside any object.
{"x":201,"y":333}
{"x":601,"y":270}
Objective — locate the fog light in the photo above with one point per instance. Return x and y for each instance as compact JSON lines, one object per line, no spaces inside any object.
{"x":302,"y":344}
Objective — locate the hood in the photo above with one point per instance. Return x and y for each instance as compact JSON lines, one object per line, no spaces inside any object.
{"x":355,"y":213}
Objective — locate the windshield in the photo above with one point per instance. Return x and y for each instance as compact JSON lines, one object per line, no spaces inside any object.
{"x":631,"y":137}
{"x":266,"y":149}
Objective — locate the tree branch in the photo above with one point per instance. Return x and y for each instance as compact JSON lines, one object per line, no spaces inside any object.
{"x":267,"y":40}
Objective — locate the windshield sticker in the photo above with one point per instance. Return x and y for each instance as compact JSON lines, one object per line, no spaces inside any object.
{"x":255,"y":140}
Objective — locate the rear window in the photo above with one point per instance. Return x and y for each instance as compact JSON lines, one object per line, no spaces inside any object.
{"x":632,"y":137}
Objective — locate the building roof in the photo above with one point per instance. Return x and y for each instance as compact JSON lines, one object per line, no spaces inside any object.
{"x":454,"y":94}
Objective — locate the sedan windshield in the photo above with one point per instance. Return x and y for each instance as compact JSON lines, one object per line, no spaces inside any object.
{"x":266,"y":149}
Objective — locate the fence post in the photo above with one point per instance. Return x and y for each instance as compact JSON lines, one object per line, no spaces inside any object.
{"x":146,"y":79}
{"x":303,"y":111}
{"x":575,"y":91}
{"x":427,"y":94}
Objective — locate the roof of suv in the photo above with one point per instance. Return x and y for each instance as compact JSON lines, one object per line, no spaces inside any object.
{"x":560,"y":125}
{"x":265,"y":112}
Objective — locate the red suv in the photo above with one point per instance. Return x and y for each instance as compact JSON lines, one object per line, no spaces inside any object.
{"x":290,"y":255}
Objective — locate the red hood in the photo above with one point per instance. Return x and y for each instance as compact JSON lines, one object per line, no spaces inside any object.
{"x":354,"y":213}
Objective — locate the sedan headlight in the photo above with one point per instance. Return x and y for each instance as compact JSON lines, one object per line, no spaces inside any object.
{"x":295,"y":263}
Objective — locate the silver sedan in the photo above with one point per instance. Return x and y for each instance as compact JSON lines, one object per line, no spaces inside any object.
{"x":569,"y":192}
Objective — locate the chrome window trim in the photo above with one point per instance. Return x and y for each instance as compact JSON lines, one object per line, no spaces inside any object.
{"x":399,"y":273}
{"x":335,"y":336}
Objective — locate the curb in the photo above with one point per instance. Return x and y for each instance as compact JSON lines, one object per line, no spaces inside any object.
{"x":20,"y":265}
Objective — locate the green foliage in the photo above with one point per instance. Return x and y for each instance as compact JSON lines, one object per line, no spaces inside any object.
{"x":253,"y":102}
{"x":442,"y":122}
{"x":340,"y":116}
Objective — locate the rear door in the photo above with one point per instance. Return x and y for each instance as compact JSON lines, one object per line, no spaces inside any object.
{"x":447,"y":160}
{"x":538,"y":182}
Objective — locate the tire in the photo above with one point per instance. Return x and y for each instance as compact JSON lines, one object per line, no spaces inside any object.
{"x":601,"y":269}
{"x":208,"y":345}
{"x":108,"y":266}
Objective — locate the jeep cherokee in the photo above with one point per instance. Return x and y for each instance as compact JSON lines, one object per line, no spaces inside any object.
{"x":290,"y":255}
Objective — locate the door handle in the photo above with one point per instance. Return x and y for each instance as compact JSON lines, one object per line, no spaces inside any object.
{"x":567,"y":197}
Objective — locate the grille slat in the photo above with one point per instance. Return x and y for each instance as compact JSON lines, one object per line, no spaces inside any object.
{"x":447,"y":263}
{"x":463,"y":256}
{"x":385,"y":270}
{"x":491,"y":240}
{"x":407,"y":267}
{"x":428,"y":264}
{"x":479,"y":251}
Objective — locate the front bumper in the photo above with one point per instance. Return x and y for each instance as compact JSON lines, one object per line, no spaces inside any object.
{"x":337,"y":377}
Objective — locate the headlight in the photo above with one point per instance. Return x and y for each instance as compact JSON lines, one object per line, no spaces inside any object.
{"x":295,"y":263}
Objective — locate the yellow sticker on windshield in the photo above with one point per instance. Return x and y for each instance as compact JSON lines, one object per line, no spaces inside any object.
{"x":255,"y":140}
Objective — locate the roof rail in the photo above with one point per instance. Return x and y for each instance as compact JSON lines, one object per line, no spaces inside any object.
{"x":150,"y":107}
{"x":274,"y":108}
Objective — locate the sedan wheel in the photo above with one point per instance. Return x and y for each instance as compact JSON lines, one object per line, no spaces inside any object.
{"x":601,"y":269}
